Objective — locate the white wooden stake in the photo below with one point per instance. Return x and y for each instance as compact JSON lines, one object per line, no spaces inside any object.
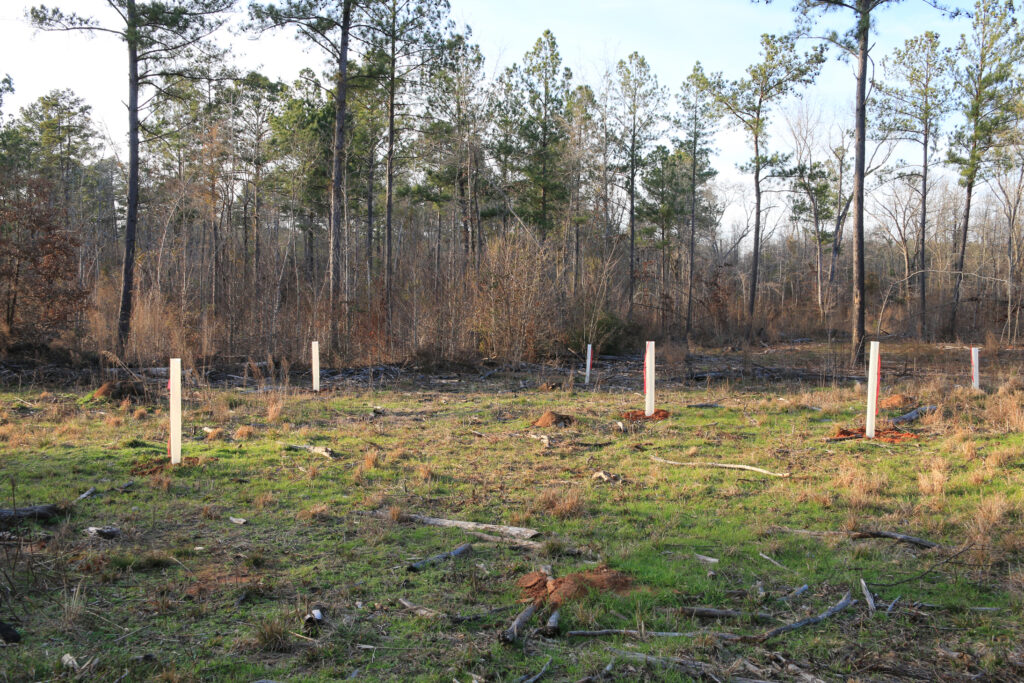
{"x":174,"y":385}
{"x":975,"y":368}
{"x":590,"y":358}
{"x":316,"y":366}
{"x":649,"y":380}
{"x":873,"y":372}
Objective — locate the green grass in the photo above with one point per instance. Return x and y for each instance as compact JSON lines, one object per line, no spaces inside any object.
{"x":185,"y":594}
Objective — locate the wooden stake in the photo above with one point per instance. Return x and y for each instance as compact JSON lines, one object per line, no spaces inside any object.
{"x":174,"y":385}
{"x":873,"y":376}
{"x":590,"y":359}
{"x":975,"y":368}
{"x":649,"y":380}
{"x":316,"y":366}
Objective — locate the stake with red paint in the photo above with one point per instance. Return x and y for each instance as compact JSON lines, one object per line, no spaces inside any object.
{"x":975,"y":368}
{"x":874,"y":375}
{"x":174,"y":387}
{"x":590,"y":360}
{"x":649,"y":380}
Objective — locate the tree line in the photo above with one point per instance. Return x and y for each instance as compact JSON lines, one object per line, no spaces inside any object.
{"x":403,"y":204}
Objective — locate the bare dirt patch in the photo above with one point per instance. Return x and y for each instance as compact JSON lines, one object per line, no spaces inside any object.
{"x":150,"y":466}
{"x":638,"y":415}
{"x":888,"y":435}
{"x":553,"y":419}
{"x":539,"y":588}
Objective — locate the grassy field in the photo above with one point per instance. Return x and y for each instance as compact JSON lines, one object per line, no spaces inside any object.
{"x":184,"y":592}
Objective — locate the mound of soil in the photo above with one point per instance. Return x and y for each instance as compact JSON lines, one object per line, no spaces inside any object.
{"x":888,"y":435}
{"x":538,"y":588}
{"x":553,"y":419}
{"x":150,"y":466}
{"x":638,"y":415}
{"x":896,"y":402}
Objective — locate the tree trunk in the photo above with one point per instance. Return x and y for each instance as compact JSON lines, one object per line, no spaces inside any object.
{"x":337,"y":196}
{"x":756,"y":259}
{"x":922,"y":319}
{"x":392,"y":86}
{"x":124,"y":314}
{"x":961,"y":255}
{"x":693,"y":237}
{"x":860,"y":145}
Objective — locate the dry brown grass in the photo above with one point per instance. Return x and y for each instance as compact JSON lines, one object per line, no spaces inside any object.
{"x":113,"y":421}
{"x":1001,"y":456}
{"x":126,"y":404}
{"x":244,"y":433}
{"x":318,"y":511}
{"x":969,"y":450}
{"x":1014,"y":384}
{"x":981,"y":527}
{"x":860,"y":488}
{"x":263,"y":500}
{"x":561,"y":503}
{"x":1005,"y":413}
{"x":140,"y":414}
{"x":371,"y":459}
{"x":424,"y":472}
{"x":215,"y":434}
{"x":160,"y":481}
{"x":210,"y":512}
{"x":979,"y":476}
{"x":221,"y":409}
{"x":395,"y":514}
{"x":932,"y":482}
{"x":275,"y":404}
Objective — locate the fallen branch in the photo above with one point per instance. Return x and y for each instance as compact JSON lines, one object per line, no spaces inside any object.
{"x":11,"y":516}
{"x":691,"y":667}
{"x":703,"y":405}
{"x":534,"y":679}
{"x":315,"y":450}
{"x":463,"y":618}
{"x":634,"y":633}
{"x":515,"y":543}
{"x":510,"y":634}
{"x":915,"y":414}
{"x":867,"y":533}
{"x":810,"y":621}
{"x":460,"y":550}
{"x":90,"y":492}
{"x":713,"y":613}
{"x":551,"y":628}
{"x":513,"y":531}
{"x":868,"y":597}
{"x":418,"y":610}
{"x":777,"y":564}
{"x":722,"y":465}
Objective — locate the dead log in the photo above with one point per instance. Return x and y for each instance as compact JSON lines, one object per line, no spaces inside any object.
{"x":12,"y":516}
{"x":915,"y":414}
{"x":722,"y":465}
{"x":513,"y":531}
{"x":810,"y":621}
{"x":460,"y":550}
{"x":315,"y":450}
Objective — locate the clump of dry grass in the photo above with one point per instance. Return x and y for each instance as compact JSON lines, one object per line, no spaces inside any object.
{"x":371,"y":459}
{"x":561,"y":503}
{"x":933,"y":481}
{"x":126,"y":404}
{"x":969,"y":450}
{"x":7,"y":432}
{"x":140,"y":413}
{"x":270,"y":635}
{"x":244,"y":433}
{"x":1000,"y":457}
{"x":424,"y":472}
{"x":113,"y":421}
{"x":861,"y":488}
{"x":72,"y":607}
{"x":160,"y":481}
{"x":395,"y":514}
{"x":982,"y":525}
{"x":313,"y":471}
{"x":1013,"y":384}
{"x":263,"y":500}
{"x":318,"y":511}
{"x":210,"y":512}
{"x":979,"y":476}
{"x":274,"y":406}
{"x":396,"y":454}
{"x":215,"y":434}
{"x":1005,"y":413}
{"x":221,"y":409}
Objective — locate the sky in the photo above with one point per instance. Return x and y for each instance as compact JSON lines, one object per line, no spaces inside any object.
{"x":592,"y":36}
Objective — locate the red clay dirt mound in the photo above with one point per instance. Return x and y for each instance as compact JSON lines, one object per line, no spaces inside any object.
{"x":539,"y":588}
{"x":553,"y":419}
{"x":888,"y":435}
{"x":637,"y":415}
{"x":896,"y":402}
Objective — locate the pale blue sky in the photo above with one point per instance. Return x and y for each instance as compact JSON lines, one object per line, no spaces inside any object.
{"x":592,"y":35}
